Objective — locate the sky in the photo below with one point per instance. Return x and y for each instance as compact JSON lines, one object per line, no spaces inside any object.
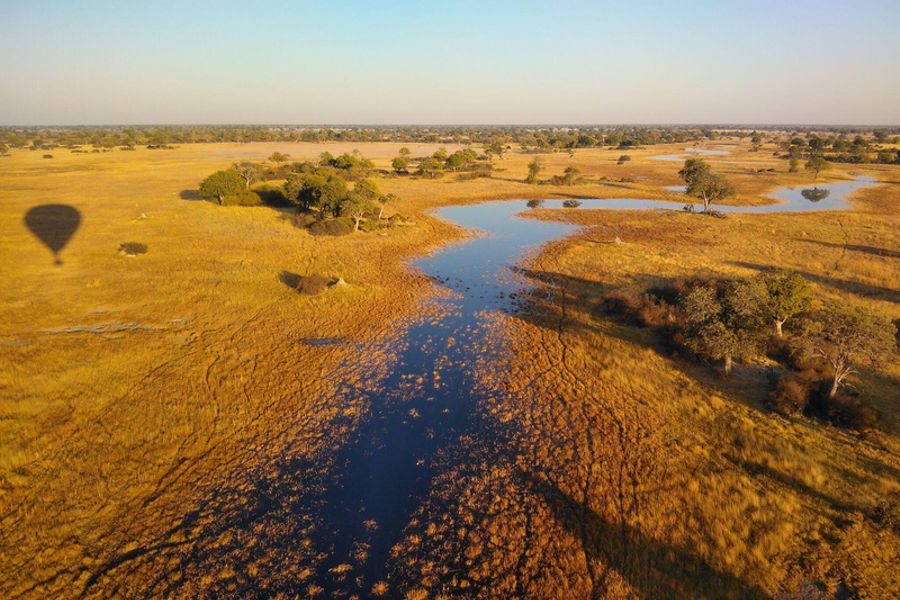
{"x":91,"y":62}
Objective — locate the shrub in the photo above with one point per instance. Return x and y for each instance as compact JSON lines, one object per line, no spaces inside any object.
{"x":338,"y":226}
{"x":132,"y":248}
{"x":312,"y":285}
{"x":843,"y":411}
{"x":791,"y":394}
{"x":640,"y":309}
{"x":571,"y":203}
{"x":48,"y":156}
{"x":248,"y":198}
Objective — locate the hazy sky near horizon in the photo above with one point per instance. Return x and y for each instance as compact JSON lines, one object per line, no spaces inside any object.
{"x":500,"y":62}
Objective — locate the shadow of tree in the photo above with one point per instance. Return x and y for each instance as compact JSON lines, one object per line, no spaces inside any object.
{"x":652,"y":568}
{"x":873,"y":250}
{"x":292,"y":280}
{"x":854,"y":287}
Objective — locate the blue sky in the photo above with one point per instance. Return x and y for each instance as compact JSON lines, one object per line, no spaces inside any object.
{"x":355,"y":62}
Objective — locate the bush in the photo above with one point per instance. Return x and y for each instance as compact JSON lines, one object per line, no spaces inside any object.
{"x":48,"y":156}
{"x":571,"y":203}
{"x":844,"y":411}
{"x":791,"y":394}
{"x":132,"y":248}
{"x":312,"y":285}
{"x":271,"y":196}
{"x":640,"y":309}
{"x":248,"y":198}
{"x":339,"y":226}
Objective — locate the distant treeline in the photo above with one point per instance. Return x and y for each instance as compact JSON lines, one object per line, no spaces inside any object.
{"x":530,"y":139}
{"x":841,"y":147}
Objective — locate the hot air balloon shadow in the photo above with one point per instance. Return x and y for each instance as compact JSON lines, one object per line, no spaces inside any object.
{"x":54,"y":225}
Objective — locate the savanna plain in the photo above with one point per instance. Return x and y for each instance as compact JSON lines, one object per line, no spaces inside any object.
{"x":174,"y":420}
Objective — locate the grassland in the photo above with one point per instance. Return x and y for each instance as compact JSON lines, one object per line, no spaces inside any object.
{"x":151,"y":404}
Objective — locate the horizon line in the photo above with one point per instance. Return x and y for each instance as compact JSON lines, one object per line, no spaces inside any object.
{"x":743,"y":125}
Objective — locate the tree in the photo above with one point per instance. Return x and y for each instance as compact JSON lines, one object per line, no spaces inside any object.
{"x":703,"y":183}
{"x":367,"y":190}
{"x":356,"y":206}
{"x":221,"y":184}
{"x":846,"y":337}
{"x":326,"y":159}
{"x":794,"y":165}
{"x":440,"y":154}
{"x":721,"y":325}
{"x":430,"y":168}
{"x":777,"y":296}
{"x":278,"y":157}
{"x":324,"y":192}
{"x":383,"y":201}
{"x":248,"y":171}
{"x":495,"y":148}
{"x":4,"y":149}
{"x":400,"y":164}
{"x":404,"y":152}
{"x":534,"y":168}
{"x":817,"y":164}
{"x":693,"y":169}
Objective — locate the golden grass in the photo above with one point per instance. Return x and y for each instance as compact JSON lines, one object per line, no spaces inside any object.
{"x":634,"y":474}
{"x":182,"y":390}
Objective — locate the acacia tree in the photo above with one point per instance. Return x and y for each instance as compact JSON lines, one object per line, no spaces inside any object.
{"x":847,"y":337}
{"x":720,"y":326}
{"x":702,"y":183}
{"x":248,"y":171}
{"x":278,"y":157}
{"x":817,"y":164}
{"x":221,"y":184}
{"x":534,"y":168}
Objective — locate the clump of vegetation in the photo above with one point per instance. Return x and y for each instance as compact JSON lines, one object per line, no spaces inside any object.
{"x":132,"y":248}
{"x":313,"y":285}
{"x":334,"y":227}
{"x":534,"y":168}
{"x":623,"y":159}
{"x":571,"y":176}
{"x":723,"y":320}
{"x":571,"y":203}
{"x":221,"y":184}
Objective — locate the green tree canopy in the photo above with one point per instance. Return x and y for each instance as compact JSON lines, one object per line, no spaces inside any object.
{"x":400,"y":164}
{"x":721,"y":324}
{"x":817,"y":164}
{"x":221,"y":184}
{"x":847,"y":337}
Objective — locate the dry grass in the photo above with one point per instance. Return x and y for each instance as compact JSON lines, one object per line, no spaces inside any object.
{"x":151,"y":403}
{"x":624,"y":472}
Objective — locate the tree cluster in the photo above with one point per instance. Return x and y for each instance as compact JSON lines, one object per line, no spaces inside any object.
{"x":720,"y":320}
